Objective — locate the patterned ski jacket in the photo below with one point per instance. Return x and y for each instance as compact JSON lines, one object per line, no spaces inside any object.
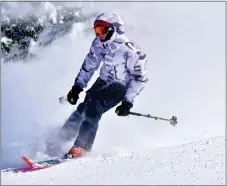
{"x":122,"y":61}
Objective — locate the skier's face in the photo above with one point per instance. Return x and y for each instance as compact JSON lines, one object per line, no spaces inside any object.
{"x":102,"y":29}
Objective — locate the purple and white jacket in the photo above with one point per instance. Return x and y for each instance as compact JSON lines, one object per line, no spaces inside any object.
{"x":122,"y":61}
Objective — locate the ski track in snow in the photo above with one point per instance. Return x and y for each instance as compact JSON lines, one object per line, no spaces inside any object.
{"x":201,"y":162}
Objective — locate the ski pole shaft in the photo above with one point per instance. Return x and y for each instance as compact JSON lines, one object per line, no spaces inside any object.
{"x":173,"y":120}
{"x":148,"y":116}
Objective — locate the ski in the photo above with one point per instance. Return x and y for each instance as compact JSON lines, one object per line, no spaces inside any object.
{"x":34,"y":166}
{"x":25,"y":169}
{"x":45,"y":163}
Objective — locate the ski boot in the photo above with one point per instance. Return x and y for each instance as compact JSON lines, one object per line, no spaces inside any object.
{"x":75,"y":152}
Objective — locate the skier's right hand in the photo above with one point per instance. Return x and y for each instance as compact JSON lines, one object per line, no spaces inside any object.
{"x":73,"y":94}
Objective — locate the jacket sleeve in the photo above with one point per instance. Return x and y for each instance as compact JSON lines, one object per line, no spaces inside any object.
{"x":90,"y":65}
{"x":136,"y":65}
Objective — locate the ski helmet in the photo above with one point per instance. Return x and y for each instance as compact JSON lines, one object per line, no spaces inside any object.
{"x":107,"y":25}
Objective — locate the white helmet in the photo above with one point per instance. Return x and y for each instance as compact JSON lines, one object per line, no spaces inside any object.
{"x":110,"y":18}
{"x":111,"y":21}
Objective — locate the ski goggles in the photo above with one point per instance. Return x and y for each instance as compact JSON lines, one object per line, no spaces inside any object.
{"x":101,"y":30}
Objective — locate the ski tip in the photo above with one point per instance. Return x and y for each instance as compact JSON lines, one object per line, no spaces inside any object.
{"x":27,"y":161}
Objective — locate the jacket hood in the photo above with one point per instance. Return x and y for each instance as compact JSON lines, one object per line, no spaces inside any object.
{"x":117,"y":23}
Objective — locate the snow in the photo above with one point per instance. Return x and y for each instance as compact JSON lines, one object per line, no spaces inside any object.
{"x":185,"y":45}
{"x":197,"y":163}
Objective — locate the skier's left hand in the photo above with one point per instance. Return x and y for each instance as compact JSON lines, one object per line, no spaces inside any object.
{"x":124,"y":108}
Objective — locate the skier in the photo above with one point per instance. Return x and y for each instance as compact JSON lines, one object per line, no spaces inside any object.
{"x":122,"y":76}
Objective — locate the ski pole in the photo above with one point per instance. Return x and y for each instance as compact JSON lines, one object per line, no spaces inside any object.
{"x":173,"y":121}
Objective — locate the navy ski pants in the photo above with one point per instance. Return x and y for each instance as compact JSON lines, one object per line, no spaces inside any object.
{"x":82,"y":125}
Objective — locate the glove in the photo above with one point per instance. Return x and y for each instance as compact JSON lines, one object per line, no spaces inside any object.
{"x":73,"y":94}
{"x":124,"y":108}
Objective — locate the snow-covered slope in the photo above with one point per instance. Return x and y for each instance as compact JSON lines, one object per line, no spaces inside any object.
{"x":197,"y":163}
{"x":185,"y":45}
